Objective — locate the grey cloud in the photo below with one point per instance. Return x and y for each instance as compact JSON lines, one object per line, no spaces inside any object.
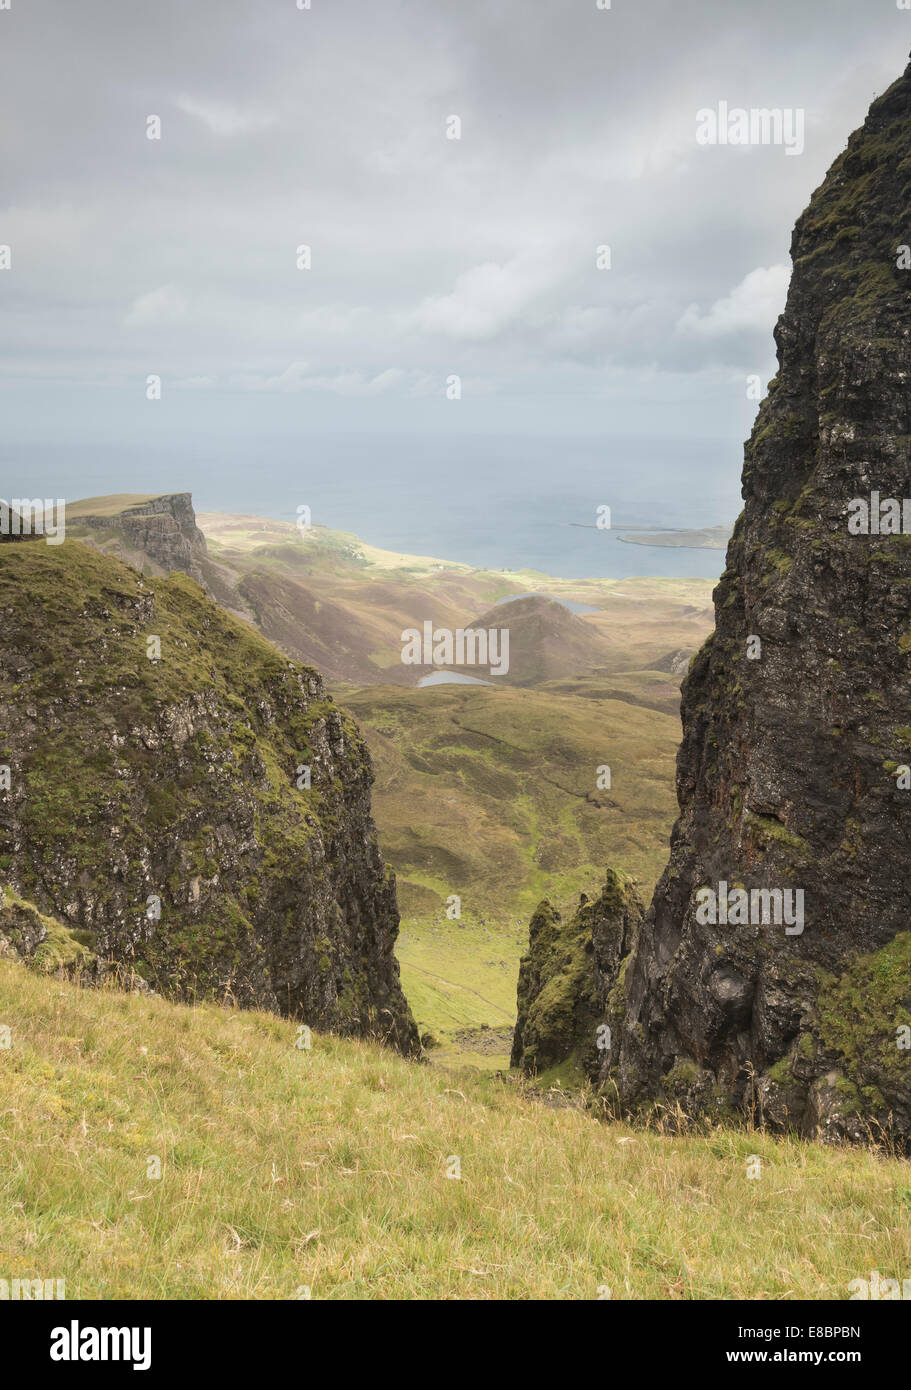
{"x":327,"y":127}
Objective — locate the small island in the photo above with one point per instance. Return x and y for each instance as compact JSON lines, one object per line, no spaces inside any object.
{"x":699,"y":538}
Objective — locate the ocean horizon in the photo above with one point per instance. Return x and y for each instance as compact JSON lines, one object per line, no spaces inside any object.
{"x":494,"y":502}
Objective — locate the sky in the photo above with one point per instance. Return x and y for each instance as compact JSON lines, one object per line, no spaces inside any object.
{"x":430,"y":257}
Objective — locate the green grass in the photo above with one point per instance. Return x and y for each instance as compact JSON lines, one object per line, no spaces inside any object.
{"x":111,"y":505}
{"x":285,"y":1170}
{"x":658,"y":690}
{"x":460,"y":979}
{"x":491,"y":795}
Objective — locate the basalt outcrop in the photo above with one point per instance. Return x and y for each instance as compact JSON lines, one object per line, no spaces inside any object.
{"x":568,"y":1002}
{"x":181,"y":801}
{"x":157,"y":535}
{"x":162,"y":528}
{"x":792,"y":777}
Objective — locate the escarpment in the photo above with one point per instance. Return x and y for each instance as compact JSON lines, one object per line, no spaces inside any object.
{"x":163,"y":529}
{"x":156,"y":535}
{"x":184,"y":802}
{"x":772,"y":973}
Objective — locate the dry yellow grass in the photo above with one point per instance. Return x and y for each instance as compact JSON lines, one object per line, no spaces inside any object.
{"x":284,"y":1170}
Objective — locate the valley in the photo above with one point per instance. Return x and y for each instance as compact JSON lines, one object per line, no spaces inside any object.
{"x":488,"y":794}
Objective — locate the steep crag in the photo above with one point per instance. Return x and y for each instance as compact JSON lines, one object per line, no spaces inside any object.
{"x":772,"y":973}
{"x":184,"y":802}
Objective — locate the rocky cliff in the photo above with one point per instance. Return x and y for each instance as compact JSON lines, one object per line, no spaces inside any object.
{"x":163,"y":529}
{"x":569,"y":1007}
{"x":184,"y":801}
{"x":157,"y":535}
{"x":773,"y":971}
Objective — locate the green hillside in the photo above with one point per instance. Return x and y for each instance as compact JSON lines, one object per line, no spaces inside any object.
{"x":491,"y":794}
{"x":154,"y":803}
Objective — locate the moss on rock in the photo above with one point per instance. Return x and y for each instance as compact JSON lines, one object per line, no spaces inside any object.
{"x":570,"y":982}
{"x":158,"y":797}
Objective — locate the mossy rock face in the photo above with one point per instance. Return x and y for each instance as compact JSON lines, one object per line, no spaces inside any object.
{"x":567,"y":1007}
{"x":786,"y":772}
{"x":43,"y":942}
{"x":863,"y":1021}
{"x":162,"y":804}
{"x":689,"y":1090}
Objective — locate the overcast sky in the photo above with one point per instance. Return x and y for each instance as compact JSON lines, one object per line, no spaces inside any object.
{"x":430,"y":256}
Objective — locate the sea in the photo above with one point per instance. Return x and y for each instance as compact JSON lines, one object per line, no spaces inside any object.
{"x":497,"y":502}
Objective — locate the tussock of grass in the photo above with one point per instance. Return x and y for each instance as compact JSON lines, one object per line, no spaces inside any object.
{"x":285,"y":1169}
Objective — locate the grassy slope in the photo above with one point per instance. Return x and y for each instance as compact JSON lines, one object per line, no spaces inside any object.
{"x":651,"y":689}
{"x":484,"y":793}
{"x":110,"y":505}
{"x":284,"y":1169}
